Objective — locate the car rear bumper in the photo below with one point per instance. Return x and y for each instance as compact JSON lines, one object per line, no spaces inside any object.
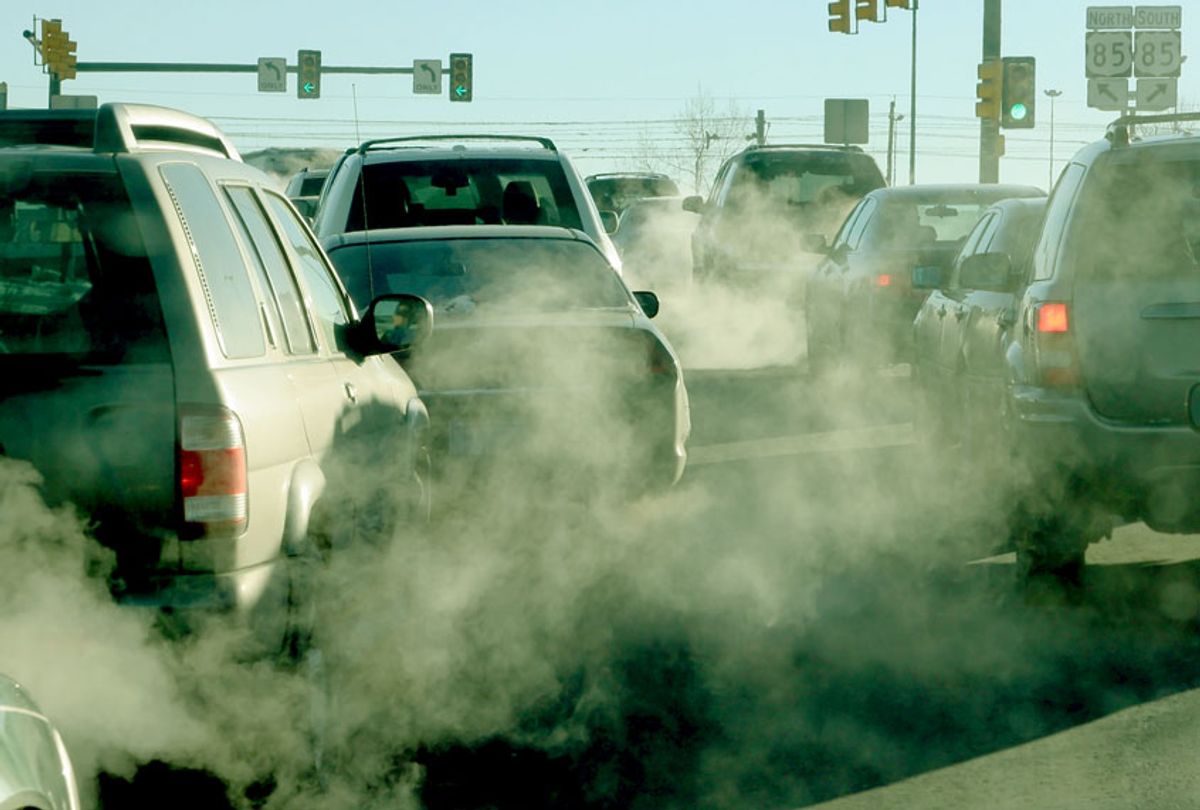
{"x":1146,"y":472}
{"x":256,"y":598}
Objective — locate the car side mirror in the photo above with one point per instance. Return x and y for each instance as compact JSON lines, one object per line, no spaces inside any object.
{"x":648,"y":301}
{"x":610,"y":221}
{"x":992,"y":272}
{"x":694,"y":204}
{"x":815,"y":243}
{"x":394,"y":323}
{"x":926,"y":277}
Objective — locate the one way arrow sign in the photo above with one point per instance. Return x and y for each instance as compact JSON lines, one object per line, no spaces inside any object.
{"x":1108,"y":94}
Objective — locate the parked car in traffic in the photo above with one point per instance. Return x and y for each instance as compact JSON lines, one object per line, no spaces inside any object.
{"x":860,"y":301}
{"x":35,"y":769}
{"x":654,"y":240}
{"x":1105,"y":349}
{"x":765,"y":199}
{"x":179,"y":361}
{"x":616,"y":191}
{"x":962,"y":330}
{"x":541,"y":352}
{"x":427,"y":180}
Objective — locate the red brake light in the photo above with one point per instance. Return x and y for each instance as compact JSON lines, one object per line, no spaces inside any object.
{"x":659,"y":361}
{"x":212,"y":471}
{"x":1052,"y":318}
{"x":883,"y":280}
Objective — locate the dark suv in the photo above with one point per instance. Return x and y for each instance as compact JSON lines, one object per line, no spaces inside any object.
{"x":179,"y":361}
{"x":766,"y":198}
{"x":1105,"y":348}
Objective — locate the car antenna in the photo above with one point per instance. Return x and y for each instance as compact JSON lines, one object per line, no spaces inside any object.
{"x":366,"y":221}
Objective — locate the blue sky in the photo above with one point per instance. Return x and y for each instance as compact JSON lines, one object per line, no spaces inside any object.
{"x":602,"y":78}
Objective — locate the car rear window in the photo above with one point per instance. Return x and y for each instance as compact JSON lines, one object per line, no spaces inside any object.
{"x":618,"y":193}
{"x":401,"y":194}
{"x":75,"y":281}
{"x":903,"y":223}
{"x":1140,"y":218}
{"x":457,"y":275}
{"x":803,"y":179}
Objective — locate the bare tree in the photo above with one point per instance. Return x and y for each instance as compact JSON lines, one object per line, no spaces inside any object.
{"x":701,"y":137}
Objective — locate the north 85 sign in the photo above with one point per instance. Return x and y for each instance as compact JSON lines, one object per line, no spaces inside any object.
{"x":1109,"y":54}
{"x":1157,"y":53}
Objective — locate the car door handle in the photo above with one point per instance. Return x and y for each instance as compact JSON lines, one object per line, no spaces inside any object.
{"x":1005,"y":319}
{"x":960,"y":313}
{"x":941,"y":312}
{"x":351,"y":392}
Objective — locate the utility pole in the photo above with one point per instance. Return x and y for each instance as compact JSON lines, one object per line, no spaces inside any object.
{"x":893,"y":119}
{"x":1053,"y":94}
{"x":760,"y":128}
{"x":912,"y":105}
{"x":989,"y":129}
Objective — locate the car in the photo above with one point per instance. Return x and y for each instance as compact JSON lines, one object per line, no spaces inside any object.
{"x":1105,"y":350}
{"x":304,"y":189}
{"x":654,"y":240}
{"x":616,"y":191}
{"x":540,"y":353}
{"x":860,"y":301}
{"x":180,"y":362}
{"x":765,"y":199}
{"x":962,"y":329}
{"x":459,"y":180}
{"x":35,"y":769}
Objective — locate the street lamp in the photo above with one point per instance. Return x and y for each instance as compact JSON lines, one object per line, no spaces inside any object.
{"x":1053,"y":94}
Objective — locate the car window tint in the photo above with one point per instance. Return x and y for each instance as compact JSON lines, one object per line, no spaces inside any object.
{"x":1057,"y":210}
{"x":281,"y":284}
{"x":328,"y":306}
{"x":219,"y":261}
{"x":75,"y":280}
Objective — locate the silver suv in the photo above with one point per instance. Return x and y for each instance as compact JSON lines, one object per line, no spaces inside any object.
{"x":460,"y":180}
{"x":1105,"y":348}
{"x":178,"y":360}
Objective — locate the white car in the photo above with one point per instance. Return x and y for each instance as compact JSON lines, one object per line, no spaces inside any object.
{"x":35,"y":770}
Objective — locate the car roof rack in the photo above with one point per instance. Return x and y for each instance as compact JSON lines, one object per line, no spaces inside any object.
{"x":834,"y":146}
{"x":1118,"y":132}
{"x":368,"y":145}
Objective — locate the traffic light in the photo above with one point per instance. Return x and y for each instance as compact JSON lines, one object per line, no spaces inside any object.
{"x":867,"y":10}
{"x":308,"y":69}
{"x":1019,"y":93}
{"x":58,"y":50}
{"x":839,"y":16}
{"x":461,"y":74}
{"x":991,"y":74}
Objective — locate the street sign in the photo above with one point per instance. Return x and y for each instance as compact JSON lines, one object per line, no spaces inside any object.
{"x":846,"y":120}
{"x":272,"y":74}
{"x":1108,"y":94}
{"x":1155,"y":95}
{"x":427,"y":76}
{"x":1158,"y":17}
{"x":1109,"y":17}
{"x":67,"y":102}
{"x":1157,"y":53}
{"x":1109,"y":54}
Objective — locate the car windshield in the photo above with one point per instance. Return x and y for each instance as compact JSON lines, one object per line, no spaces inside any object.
{"x":460,"y":275}
{"x":75,"y":280}
{"x":1144,"y":219}
{"x":463,"y":191}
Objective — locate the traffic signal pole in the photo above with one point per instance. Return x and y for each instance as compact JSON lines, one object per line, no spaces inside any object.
{"x":989,"y":128}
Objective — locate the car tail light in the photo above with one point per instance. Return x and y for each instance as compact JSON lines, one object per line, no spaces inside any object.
{"x":883,"y":280}
{"x":1055,"y":346}
{"x":212,"y":472}
{"x":659,"y":361}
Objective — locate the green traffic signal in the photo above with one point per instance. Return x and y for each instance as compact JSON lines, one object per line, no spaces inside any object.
{"x":1018,"y":112}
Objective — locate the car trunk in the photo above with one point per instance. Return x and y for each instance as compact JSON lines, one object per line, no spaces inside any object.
{"x":1137,"y":292}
